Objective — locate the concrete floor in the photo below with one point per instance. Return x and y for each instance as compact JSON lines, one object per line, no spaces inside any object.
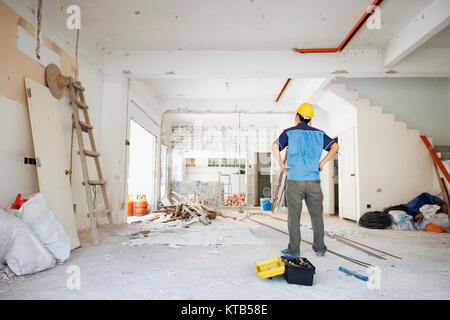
{"x":113,"y":270}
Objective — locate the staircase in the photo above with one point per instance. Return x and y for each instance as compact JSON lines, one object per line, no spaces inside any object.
{"x":444,"y":152}
{"x":393,"y":165}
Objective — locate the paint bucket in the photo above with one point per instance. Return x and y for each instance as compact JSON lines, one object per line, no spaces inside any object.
{"x":266,"y":204}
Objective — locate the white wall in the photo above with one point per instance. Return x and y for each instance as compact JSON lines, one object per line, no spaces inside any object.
{"x":448,"y":79}
{"x":423,"y":103}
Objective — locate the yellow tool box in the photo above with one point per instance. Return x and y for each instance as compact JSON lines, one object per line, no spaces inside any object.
{"x":269,"y":268}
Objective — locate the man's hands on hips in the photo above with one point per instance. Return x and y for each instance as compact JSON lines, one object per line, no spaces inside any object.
{"x":321,"y":164}
{"x":284,"y":167}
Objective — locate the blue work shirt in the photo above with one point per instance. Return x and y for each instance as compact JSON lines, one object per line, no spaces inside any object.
{"x":305,"y":149}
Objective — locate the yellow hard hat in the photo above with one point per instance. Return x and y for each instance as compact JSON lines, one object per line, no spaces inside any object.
{"x":306,"y":110}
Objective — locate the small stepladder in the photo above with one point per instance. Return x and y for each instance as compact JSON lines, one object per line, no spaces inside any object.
{"x":77,"y":101}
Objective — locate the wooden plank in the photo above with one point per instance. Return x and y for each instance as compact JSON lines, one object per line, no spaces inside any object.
{"x":48,"y":139}
{"x":90,"y":153}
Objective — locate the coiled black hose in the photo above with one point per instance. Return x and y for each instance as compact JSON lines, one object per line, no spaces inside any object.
{"x":375,"y":220}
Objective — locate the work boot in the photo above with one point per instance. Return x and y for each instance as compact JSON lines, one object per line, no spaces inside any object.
{"x":320,"y":253}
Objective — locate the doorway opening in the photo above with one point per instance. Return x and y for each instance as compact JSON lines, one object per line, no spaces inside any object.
{"x":141,"y":167}
{"x":335,"y":180}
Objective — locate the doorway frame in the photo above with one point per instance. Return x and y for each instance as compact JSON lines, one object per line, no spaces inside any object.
{"x":154,"y":198}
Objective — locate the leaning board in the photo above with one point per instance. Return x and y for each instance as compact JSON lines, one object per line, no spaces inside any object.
{"x":48,"y":139}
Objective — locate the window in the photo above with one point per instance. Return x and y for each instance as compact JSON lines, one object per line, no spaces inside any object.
{"x":177,"y":170}
{"x":226,"y":162}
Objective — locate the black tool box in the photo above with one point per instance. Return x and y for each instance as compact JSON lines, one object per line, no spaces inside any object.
{"x":298,"y":271}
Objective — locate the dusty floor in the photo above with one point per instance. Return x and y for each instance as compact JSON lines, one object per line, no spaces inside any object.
{"x":220,"y":266}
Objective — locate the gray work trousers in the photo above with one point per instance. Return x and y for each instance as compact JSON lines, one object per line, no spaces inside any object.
{"x":311,"y":192}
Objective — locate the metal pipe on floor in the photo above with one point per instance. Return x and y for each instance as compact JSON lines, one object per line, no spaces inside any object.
{"x":358,"y":262}
{"x":347,"y":242}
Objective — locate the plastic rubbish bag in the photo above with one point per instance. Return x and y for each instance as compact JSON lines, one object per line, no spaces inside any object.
{"x":20,"y":249}
{"x":38,"y":215}
{"x":422,"y":224}
{"x":431,"y":227}
{"x":402,"y":221}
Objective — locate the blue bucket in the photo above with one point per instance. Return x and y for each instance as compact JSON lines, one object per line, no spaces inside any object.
{"x":267,"y":205}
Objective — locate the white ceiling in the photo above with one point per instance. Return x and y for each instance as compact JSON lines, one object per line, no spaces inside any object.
{"x":230,"y":25}
{"x":395,"y":15}
{"x":267,"y":89}
{"x":441,"y":40}
{"x":230,"y":95}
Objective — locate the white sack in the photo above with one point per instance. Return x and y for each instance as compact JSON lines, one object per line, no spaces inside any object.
{"x":20,"y":249}
{"x":38,"y":215}
{"x":429,"y":210}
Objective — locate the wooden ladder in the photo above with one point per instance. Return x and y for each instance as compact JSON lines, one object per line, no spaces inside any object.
{"x":78,"y":101}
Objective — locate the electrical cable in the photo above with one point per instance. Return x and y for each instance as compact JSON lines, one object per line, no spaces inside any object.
{"x":375,"y":220}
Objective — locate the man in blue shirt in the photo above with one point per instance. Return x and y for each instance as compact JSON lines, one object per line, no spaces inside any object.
{"x":305,"y":145}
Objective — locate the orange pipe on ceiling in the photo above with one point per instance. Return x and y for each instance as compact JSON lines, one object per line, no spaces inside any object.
{"x":349,"y":36}
{"x":284,"y":88}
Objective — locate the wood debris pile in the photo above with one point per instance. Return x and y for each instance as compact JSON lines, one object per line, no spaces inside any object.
{"x":190,"y":210}
{"x":235,"y":200}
